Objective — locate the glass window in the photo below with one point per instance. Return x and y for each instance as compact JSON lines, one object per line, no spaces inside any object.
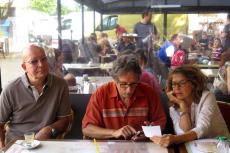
{"x":67,"y":24}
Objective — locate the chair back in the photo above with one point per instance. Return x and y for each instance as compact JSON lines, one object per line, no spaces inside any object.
{"x":225,"y":109}
{"x":79,"y":103}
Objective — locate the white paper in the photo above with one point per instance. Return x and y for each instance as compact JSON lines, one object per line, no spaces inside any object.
{"x":151,"y":131}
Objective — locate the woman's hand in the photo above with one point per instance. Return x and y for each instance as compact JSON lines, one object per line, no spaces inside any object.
{"x":173,"y":99}
{"x":165,"y":140}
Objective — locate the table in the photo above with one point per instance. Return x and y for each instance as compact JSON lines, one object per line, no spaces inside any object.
{"x":92,"y":84}
{"x":87,"y":146}
{"x":207,"y":66}
{"x":93,"y":69}
{"x":210,"y":73}
{"x":95,"y":79}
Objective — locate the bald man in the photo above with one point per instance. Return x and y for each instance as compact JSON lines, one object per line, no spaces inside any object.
{"x":35,"y":102}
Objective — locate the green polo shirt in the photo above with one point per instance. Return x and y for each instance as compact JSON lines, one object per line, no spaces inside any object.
{"x":27,"y":112}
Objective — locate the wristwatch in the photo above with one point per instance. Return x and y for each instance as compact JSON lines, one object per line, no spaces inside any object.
{"x":54,"y":133}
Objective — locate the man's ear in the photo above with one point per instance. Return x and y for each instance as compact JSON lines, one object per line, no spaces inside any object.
{"x":23,"y":65}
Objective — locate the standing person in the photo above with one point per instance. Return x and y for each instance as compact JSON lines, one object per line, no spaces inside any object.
{"x":119,"y":31}
{"x":145,"y":29}
{"x":194,"y":111}
{"x":226,"y":34}
{"x":35,"y":102}
{"x":119,"y":108}
{"x":168,"y":49}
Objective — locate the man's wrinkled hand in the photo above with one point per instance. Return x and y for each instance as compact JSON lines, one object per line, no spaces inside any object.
{"x":126,"y":132}
{"x":44,"y":133}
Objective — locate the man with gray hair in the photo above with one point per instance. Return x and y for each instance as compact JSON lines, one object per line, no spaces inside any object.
{"x":118,"y":109}
{"x":35,"y":102}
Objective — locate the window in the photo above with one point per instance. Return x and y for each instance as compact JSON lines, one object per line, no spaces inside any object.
{"x":66,"y":24}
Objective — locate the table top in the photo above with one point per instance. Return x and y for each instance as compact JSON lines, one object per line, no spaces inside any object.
{"x":88,"y":66}
{"x":207,"y":66}
{"x":88,"y":146}
{"x":210,"y":73}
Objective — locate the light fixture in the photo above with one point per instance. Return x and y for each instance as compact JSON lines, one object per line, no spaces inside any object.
{"x":165,"y":6}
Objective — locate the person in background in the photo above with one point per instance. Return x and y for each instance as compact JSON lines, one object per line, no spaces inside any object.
{"x":125,"y":43}
{"x":217,"y":50}
{"x":119,"y":31}
{"x":223,"y":93}
{"x":118,"y":109}
{"x":35,"y":102}
{"x":226,"y":34}
{"x":58,"y":69}
{"x":168,"y":49}
{"x":104,"y":47}
{"x":194,"y":111}
{"x":70,"y":79}
{"x":146,"y":76}
{"x":145,"y":29}
{"x":204,"y":41}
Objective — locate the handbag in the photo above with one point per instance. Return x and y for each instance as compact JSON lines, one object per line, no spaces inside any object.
{"x":220,"y":84}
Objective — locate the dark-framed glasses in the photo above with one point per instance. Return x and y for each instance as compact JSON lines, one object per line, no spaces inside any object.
{"x":35,"y":62}
{"x":180,"y":84}
{"x":126,"y":85}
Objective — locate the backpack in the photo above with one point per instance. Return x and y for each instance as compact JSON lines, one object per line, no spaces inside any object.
{"x":178,"y":58}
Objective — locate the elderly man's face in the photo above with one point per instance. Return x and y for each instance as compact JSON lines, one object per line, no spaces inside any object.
{"x":35,"y":63}
{"x":127,"y":84}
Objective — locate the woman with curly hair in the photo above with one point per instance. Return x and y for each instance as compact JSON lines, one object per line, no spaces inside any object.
{"x":194,"y":111}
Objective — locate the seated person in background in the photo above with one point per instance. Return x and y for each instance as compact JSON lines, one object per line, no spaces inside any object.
{"x":223,"y":89}
{"x":167,"y":50}
{"x":194,"y":111}
{"x":146,"y":76}
{"x":72,"y":84}
{"x":118,"y":109}
{"x":105,"y":47}
{"x":35,"y":102}
{"x":58,"y":69}
{"x":125,"y":43}
{"x":204,"y":41}
{"x":178,"y":58}
{"x":70,"y":79}
{"x":217,"y":50}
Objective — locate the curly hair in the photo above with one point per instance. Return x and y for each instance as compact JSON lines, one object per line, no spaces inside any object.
{"x":195,"y":76}
{"x":124,"y":64}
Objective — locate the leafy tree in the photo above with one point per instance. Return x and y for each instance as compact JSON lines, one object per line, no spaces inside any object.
{"x":50,"y":7}
{"x":47,"y":6}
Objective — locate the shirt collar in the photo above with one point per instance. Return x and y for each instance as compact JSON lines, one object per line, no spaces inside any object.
{"x":27,"y":84}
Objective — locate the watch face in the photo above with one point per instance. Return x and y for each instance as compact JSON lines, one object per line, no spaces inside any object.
{"x":54,"y":133}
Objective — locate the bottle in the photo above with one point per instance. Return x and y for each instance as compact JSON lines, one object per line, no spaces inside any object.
{"x":222,"y":145}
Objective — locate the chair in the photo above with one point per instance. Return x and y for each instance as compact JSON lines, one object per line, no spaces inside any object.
{"x":225,"y":109}
{"x":79,"y":103}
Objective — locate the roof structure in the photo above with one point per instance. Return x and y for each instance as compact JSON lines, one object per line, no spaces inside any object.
{"x":169,"y":6}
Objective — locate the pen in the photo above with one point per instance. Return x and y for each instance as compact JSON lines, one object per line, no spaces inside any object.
{"x":97,"y":147}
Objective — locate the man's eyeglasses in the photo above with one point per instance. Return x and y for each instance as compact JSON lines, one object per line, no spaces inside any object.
{"x":126,"y":85}
{"x":35,"y":61}
{"x":179,"y":84}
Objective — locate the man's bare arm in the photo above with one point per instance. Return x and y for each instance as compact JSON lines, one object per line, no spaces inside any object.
{"x":94,"y":131}
{"x":60,"y":125}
